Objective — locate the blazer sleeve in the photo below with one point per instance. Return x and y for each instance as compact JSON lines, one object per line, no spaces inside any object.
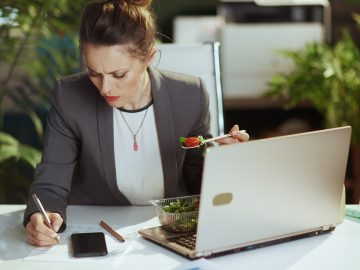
{"x":53,"y":176}
{"x":194,"y":159}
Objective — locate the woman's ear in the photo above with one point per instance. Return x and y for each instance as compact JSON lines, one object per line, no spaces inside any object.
{"x":151,"y":56}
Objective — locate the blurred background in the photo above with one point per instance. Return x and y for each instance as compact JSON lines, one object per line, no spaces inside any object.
{"x":287,"y":67}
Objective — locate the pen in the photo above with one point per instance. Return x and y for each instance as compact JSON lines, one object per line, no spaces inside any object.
{"x":111,"y":231}
{"x":45,"y":216}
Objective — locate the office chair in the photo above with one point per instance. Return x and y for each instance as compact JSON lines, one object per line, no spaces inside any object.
{"x":202,"y":60}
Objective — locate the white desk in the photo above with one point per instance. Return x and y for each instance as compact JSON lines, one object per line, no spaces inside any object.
{"x":337,"y":250}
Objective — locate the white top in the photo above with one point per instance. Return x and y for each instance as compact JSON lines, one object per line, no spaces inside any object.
{"x":139,"y":173}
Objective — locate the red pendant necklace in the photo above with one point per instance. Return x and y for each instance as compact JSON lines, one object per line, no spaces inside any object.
{"x":134,"y":134}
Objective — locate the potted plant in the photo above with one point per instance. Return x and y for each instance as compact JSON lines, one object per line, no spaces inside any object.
{"x":329,"y":77}
{"x":37,"y":38}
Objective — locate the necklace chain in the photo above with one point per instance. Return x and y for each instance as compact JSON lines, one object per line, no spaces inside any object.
{"x":136,"y":147}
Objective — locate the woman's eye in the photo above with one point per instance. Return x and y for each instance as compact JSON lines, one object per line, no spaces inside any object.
{"x":93,"y":74}
{"x":119,"y":76}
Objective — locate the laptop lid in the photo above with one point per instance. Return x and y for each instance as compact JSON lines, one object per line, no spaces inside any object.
{"x":271,"y":189}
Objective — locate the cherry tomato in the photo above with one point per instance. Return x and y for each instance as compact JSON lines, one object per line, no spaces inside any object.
{"x":191,"y":142}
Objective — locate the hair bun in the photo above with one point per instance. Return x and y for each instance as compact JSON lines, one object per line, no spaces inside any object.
{"x":142,"y":3}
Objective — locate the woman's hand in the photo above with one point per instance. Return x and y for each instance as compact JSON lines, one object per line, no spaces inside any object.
{"x":39,"y":234}
{"x":236,"y":136}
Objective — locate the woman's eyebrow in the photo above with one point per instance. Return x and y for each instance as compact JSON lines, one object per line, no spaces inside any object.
{"x":110,"y":72}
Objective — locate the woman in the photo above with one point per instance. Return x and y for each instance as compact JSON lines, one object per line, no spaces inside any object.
{"x":112,"y":133}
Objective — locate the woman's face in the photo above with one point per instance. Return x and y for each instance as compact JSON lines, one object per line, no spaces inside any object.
{"x":121,"y":78}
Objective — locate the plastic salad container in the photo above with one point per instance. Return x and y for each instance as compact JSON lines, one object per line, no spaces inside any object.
{"x":179,"y":214}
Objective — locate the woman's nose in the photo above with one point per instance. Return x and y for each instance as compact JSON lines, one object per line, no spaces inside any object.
{"x":105,"y":87}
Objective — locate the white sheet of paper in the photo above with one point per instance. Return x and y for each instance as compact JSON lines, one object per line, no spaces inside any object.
{"x":63,"y":253}
{"x":5,"y":222}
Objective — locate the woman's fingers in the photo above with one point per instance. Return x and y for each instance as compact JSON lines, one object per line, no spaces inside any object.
{"x":37,"y":238}
{"x":40,"y":240}
{"x":56,"y":221}
{"x":38,"y":233}
{"x":236,"y":136}
{"x":240,"y":136}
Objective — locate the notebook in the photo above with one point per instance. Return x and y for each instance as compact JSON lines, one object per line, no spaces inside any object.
{"x":265,"y":192}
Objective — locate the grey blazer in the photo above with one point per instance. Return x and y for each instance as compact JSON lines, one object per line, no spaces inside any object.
{"x":78,"y":164}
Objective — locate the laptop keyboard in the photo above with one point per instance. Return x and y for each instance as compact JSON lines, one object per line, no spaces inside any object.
{"x":187,"y":241}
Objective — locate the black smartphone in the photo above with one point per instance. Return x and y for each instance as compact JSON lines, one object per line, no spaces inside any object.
{"x":88,"y":244}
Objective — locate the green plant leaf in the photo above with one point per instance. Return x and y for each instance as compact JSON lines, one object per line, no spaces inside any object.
{"x":10,"y":148}
{"x":328,"y":77}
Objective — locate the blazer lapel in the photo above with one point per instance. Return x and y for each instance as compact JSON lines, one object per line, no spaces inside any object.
{"x":166,"y":132}
{"x":106,"y":141}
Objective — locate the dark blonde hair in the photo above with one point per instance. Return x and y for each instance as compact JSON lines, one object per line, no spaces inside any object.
{"x":119,"y":22}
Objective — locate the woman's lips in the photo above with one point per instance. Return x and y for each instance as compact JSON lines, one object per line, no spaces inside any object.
{"x":111,"y":98}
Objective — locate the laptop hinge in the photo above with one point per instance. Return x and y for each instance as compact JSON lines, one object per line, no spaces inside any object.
{"x":327,"y":227}
{"x":203,"y":254}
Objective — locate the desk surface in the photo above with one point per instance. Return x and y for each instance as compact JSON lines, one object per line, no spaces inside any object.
{"x":337,"y":250}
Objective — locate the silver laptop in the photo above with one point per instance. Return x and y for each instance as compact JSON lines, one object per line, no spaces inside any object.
{"x":265,"y":192}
